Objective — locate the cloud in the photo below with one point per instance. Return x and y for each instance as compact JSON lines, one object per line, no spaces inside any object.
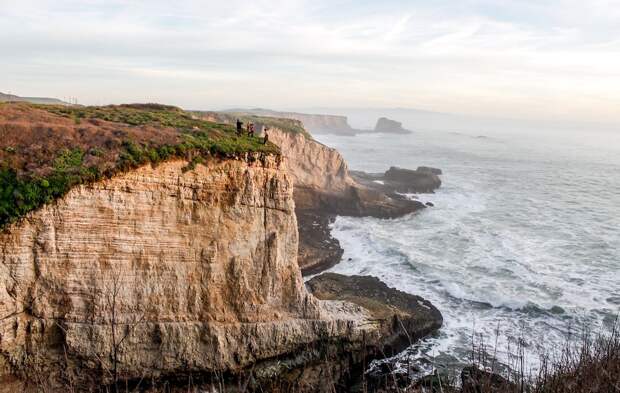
{"x":534,"y":58}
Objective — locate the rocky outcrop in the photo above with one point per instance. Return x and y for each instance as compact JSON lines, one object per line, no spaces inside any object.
{"x":404,"y":313}
{"x":318,"y":250}
{"x":166,"y":245}
{"x":416,"y":315}
{"x":387,"y":126}
{"x":173,"y":274}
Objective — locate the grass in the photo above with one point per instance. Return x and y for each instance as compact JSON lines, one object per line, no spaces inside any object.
{"x":46,"y":150}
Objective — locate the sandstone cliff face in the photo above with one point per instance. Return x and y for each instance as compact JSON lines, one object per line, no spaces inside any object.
{"x":189,"y":262}
{"x":311,"y":164}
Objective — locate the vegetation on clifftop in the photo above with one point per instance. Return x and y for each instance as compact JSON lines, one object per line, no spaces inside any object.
{"x":46,"y":150}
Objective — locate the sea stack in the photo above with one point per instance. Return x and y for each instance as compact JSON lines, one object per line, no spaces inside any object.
{"x":388,"y":126}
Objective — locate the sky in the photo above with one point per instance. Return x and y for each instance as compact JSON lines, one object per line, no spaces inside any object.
{"x":525,"y":59}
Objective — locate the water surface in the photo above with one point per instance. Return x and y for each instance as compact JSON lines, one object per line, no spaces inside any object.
{"x":524,"y":238}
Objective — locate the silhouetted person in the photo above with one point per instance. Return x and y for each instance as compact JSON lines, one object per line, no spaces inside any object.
{"x":251,"y":133}
{"x":266,"y":137}
{"x":239,"y":127}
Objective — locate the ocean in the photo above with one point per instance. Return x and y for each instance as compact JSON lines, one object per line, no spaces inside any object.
{"x":521,"y":252}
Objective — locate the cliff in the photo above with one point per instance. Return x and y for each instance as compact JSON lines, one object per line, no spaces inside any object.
{"x":164,"y":274}
{"x":311,"y":164}
{"x":168,"y":252}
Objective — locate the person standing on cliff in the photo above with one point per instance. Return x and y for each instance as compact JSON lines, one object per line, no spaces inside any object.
{"x":251,"y":132}
{"x":266,"y":137}
{"x":239,"y":126}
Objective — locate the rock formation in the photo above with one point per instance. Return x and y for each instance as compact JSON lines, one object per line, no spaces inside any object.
{"x":169,"y":274}
{"x":399,"y":180}
{"x":387,"y":126}
{"x":414,"y":313}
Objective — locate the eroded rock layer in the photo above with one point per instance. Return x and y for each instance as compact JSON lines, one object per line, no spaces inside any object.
{"x":167,"y":251}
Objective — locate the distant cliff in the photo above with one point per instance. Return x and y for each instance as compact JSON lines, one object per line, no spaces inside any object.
{"x":325,"y":123}
{"x":314,"y":123}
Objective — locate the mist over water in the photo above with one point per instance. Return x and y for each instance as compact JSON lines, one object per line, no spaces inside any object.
{"x":524,"y":237}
